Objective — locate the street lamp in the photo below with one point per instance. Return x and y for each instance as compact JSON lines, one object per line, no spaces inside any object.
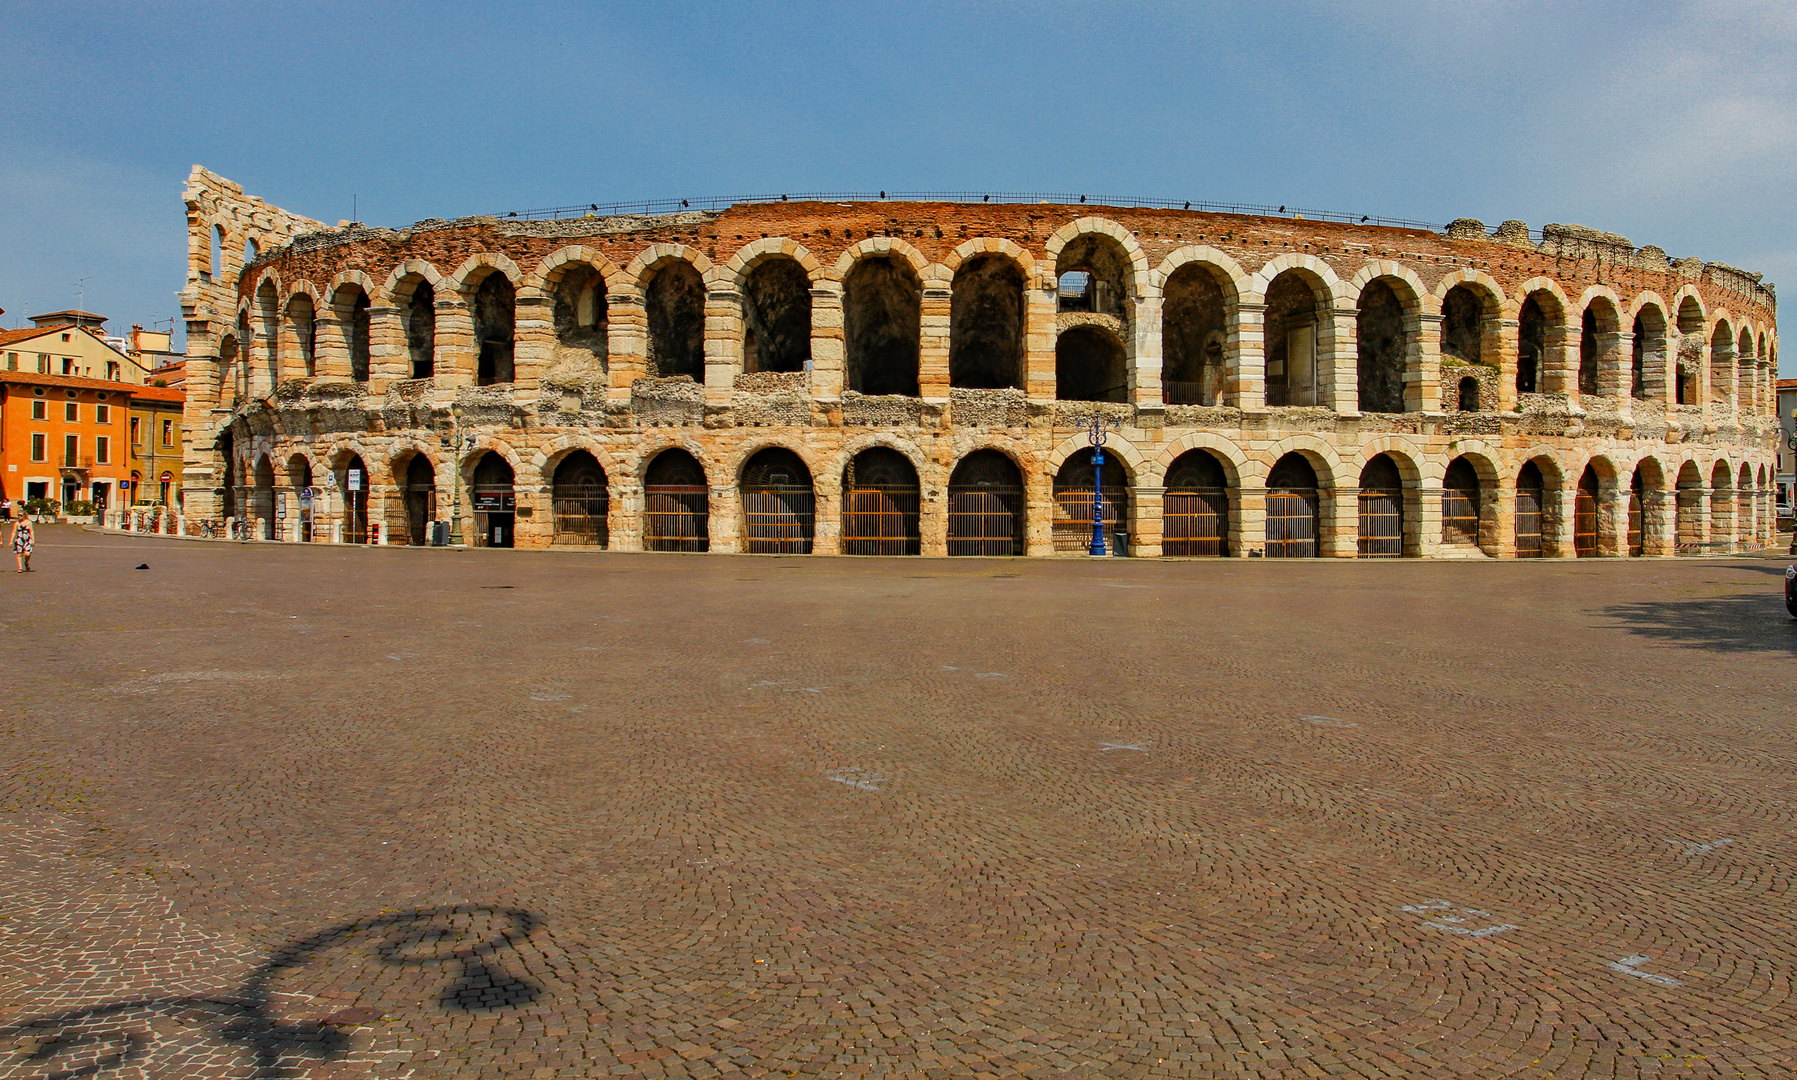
{"x":1095,"y":434}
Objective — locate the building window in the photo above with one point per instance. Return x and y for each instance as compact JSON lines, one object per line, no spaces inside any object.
{"x":68,"y":366}
{"x":168,"y":433}
{"x":12,"y":361}
{"x":102,"y":414}
{"x":39,"y":446}
{"x":137,"y":435}
{"x":40,"y":410}
{"x":112,"y":370}
{"x":102,"y":450}
{"x":65,"y":337}
{"x":43,"y":364}
{"x":71,"y":412}
{"x":71,"y":450}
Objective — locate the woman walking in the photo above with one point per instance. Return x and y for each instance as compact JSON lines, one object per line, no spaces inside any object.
{"x":21,"y":544}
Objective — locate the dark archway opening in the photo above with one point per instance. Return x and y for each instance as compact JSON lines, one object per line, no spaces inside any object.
{"x":676,"y":504}
{"x":265,"y":499}
{"x":1089,"y":365}
{"x":421,"y":330}
{"x":354,"y":485}
{"x":1291,"y":341}
{"x":1382,"y":347}
{"x":1294,"y":509}
{"x":779,"y":506}
{"x":1468,"y":393}
{"x":420,"y":485}
{"x":882,"y":311}
{"x":675,"y":305}
{"x":1584,"y":515}
{"x":1588,"y":352}
{"x":581,"y":501}
{"x":227,"y":450}
{"x":581,"y":323}
{"x":495,"y":502}
{"x":1688,"y":507}
{"x":985,"y":506}
{"x":305,"y":332}
{"x":1531,"y":490}
{"x":777,"y":317}
{"x":1460,"y":504}
{"x":1195,"y":508}
{"x":1531,"y":346}
{"x":1194,"y":334}
{"x":880,"y":502}
{"x":360,"y":330}
{"x":1381,"y":509}
{"x":299,"y":478}
{"x":495,"y":314}
{"x":1637,"y":515}
{"x":1073,"y":491}
{"x":1463,"y":324}
{"x":986,"y":323}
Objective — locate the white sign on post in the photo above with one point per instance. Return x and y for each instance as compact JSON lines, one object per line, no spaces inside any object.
{"x":355,"y":479}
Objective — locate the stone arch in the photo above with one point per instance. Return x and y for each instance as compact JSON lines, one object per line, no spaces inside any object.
{"x":548,"y":458}
{"x":1687,"y":303}
{"x":1096,"y":226}
{"x":1135,"y":463}
{"x":1218,"y":263}
{"x":1471,"y":304}
{"x":882,"y":316}
{"x":351,"y":295}
{"x":1414,"y":295}
{"x":1600,"y":365}
{"x":671,"y":278}
{"x":1648,"y":360}
{"x":1388,"y":299}
{"x":1200,"y":290}
{"x":550,"y":268}
{"x":774,"y":290}
{"x":739,"y":456}
{"x":1412,"y":465}
{"x":878,"y":247}
{"x":1319,"y":275}
{"x":522,"y":473}
{"x":755,"y":252}
{"x":1297,"y":328}
{"x":656,"y":256}
{"x":1541,"y":327}
{"x":1315,"y":449}
{"x":403,"y":278}
{"x":480,"y":266}
{"x":968,"y":250}
{"x":299,"y":326}
{"x":839,"y":460}
{"x":989,"y":319}
{"x":652,"y":447}
{"x":1235,"y":463}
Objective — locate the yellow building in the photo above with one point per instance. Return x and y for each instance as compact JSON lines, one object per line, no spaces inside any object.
{"x":154,"y":438}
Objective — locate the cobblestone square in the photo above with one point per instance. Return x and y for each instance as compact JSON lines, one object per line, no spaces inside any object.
{"x":328,"y":811}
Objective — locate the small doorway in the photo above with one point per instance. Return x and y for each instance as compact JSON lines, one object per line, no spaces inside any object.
{"x":1195,"y":509}
{"x":421,"y":500}
{"x":676,"y":504}
{"x":1381,"y":509}
{"x":1530,"y":489}
{"x":1584,"y":516}
{"x":581,"y":501}
{"x":779,"y":508}
{"x":355,"y":501}
{"x":880,"y":498}
{"x":985,"y":506}
{"x":495,"y":502}
{"x":1073,"y":489}
{"x":1293,"y":509}
{"x":1460,"y":504}
{"x":299,"y":477}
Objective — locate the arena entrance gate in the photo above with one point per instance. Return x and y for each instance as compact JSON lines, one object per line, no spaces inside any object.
{"x":880,"y":500}
{"x":421,"y":499}
{"x":1381,"y":509}
{"x":1195,"y":508}
{"x":1584,"y":516}
{"x":495,"y":502}
{"x":1531,"y":489}
{"x":355,"y":501}
{"x":1460,"y":503}
{"x":582,"y":501}
{"x":1073,"y":503}
{"x":1637,"y":517}
{"x":1293,"y":509}
{"x":676,"y":507}
{"x":985,"y":506}
{"x":779,"y":507}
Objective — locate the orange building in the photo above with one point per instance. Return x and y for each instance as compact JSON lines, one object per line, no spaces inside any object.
{"x":63,"y":437}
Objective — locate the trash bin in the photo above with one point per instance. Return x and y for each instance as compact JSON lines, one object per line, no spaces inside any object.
{"x":1119,"y":543}
{"x":439,"y":534}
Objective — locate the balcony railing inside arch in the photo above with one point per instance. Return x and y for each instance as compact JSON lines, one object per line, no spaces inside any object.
{"x":722,"y":202}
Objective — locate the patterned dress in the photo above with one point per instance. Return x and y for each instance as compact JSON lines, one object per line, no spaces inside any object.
{"x":21,"y":538}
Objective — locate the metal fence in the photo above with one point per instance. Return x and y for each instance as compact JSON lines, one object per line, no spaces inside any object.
{"x":779,"y":519}
{"x":1528,"y":523}
{"x":881,"y":520}
{"x":1072,"y":531}
{"x":985,"y":520}
{"x":1381,"y":523}
{"x":1292,"y":524}
{"x":580,"y":514}
{"x":1195,"y":523}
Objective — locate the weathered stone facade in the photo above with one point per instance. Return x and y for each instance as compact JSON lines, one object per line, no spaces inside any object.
{"x":465,"y":362}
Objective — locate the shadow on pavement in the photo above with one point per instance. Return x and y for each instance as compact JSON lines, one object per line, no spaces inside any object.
{"x":181,"y":1036}
{"x":1724,"y":624}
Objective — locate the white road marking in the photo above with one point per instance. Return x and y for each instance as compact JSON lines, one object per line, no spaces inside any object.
{"x":1628,"y":964}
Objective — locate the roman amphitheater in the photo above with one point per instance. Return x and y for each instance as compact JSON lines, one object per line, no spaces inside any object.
{"x":883,"y":376}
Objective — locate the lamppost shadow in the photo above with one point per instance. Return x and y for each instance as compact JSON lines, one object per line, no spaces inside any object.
{"x":245,"y":1030}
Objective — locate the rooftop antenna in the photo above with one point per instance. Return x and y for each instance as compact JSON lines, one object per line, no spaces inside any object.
{"x":355,"y":207}
{"x":81,"y":295}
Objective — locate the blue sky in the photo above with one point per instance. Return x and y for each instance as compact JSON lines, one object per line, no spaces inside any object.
{"x":1674,"y":124}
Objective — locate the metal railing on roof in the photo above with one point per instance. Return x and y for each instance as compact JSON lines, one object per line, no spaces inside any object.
{"x":1062,"y":198}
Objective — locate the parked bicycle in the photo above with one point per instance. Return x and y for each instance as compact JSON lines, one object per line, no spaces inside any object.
{"x":208,"y":530}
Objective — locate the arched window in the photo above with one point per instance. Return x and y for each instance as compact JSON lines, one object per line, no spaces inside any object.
{"x":582,"y":501}
{"x":268,"y":331}
{"x":1073,"y":492}
{"x":985,"y":506}
{"x":1585,"y":527}
{"x":1531,"y":345}
{"x":676,"y":504}
{"x":1291,"y":340}
{"x":1195,"y":508}
{"x":352,"y":312}
{"x":880,"y":497}
{"x":1294,"y":509}
{"x":304,"y":321}
{"x":1531,"y":490}
{"x":420,"y":487}
{"x":776,"y":298}
{"x":495,"y":502}
{"x":215,"y":266}
{"x":985,"y":350}
{"x":1468,"y":393}
{"x":1194,"y":335}
{"x":1722,"y":508}
{"x":1090,"y":365}
{"x":882,"y":311}
{"x":674,"y":302}
{"x":1460,"y":504}
{"x":1383,"y":349}
{"x":1588,"y":352}
{"x":582,"y":326}
{"x":1381,"y":509}
{"x":1647,"y":364}
{"x":1463,"y":324}
{"x":421,"y":329}
{"x":779,"y":506}
{"x":227,"y":371}
{"x":494,"y":316}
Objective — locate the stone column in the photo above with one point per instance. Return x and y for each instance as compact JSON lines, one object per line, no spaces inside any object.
{"x":458,"y":358}
{"x":932,"y":510}
{"x":1338,"y":361}
{"x":1422,"y":365}
{"x":331,"y":346}
{"x":1722,"y":520}
{"x":1247,"y":520}
{"x":1505,"y":357}
{"x":1340,"y":513}
{"x":932,"y":354}
{"x":1559,"y":372}
{"x":1612,"y":516}
{"x":1557,"y":504}
{"x":725,"y":514}
{"x":1040,"y":306}
{"x":1245,"y":355}
{"x":1146,"y":530}
{"x":626,"y":339}
{"x":1038,"y":529}
{"x":1145,"y":353}
{"x":826,"y":537}
{"x":1499,"y":533}
{"x":389,"y":360}
{"x":828,"y":349}
{"x":1422,"y":523}
{"x":624,"y":515}
{"x":533,"y":337}
{"x":723,"y":348}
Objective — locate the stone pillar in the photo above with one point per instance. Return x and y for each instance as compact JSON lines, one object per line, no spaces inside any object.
{"x":828,"y":348}
{"x":624,"y":514}
{"x":389,"y":360}
{"x":932,"y":510}
{"x":1245,"y":356}
{"x":330,"y":346}
{"x":1502,"y":539}
{"x":533,"y":336}
{"x":1340,"y":513}
{"x":1041,"y":303}
{"x":826,"y":537}
{"x":1338,"y":361}
{"x":1557,"y":505}
{"x":627,"y":340}
{"x":723,"y":350}
{"x":1145,"y":353}
{"x":1615,"y":368}
{"x":1038,"y":529}
{"x":1559,"y":372}
{"x":1505,"y":357}
{"x":458,"y":359}
{"x":725,"y":514}
{"x":1146,"y":530}
{"x":1612,"y":515}
{"x":932,"y":355}
{"x":1722,"y":520}
{"x":1422,"y":364}
{"x":1422,"y":523}
{"x":1248,"y":520}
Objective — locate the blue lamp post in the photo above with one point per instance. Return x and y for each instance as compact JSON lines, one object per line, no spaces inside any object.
{"x":1095,"y":434}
